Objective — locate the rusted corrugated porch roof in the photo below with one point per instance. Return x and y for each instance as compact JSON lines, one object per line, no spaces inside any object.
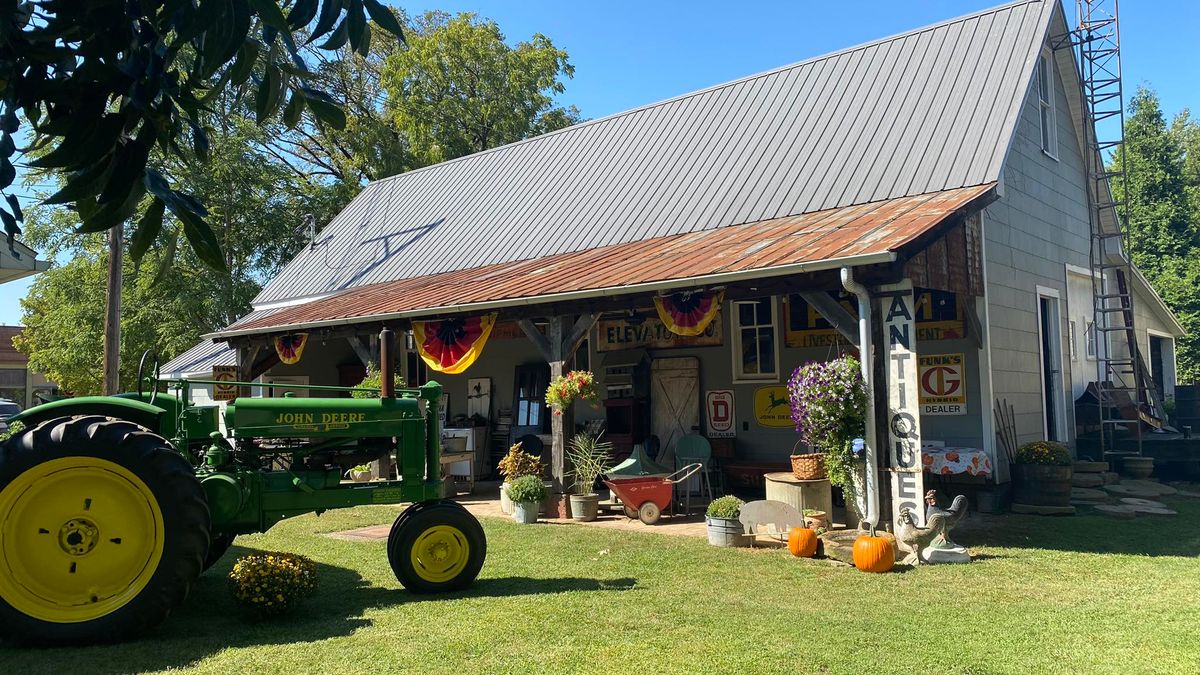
{"x":854,"y":235}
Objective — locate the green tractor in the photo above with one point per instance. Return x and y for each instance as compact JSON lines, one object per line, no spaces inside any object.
{"x":112,"y":506}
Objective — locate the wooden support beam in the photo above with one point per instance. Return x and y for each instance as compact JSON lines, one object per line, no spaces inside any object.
{"x":834,"y":313}
{"x":363,"y":351}
{"x":974,"y":326}
{"x":583,"y":325}
{"x":537,"y":338}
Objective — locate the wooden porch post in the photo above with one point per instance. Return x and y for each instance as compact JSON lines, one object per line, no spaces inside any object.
{"x":557,"y":346}
{"x":246,"y":357}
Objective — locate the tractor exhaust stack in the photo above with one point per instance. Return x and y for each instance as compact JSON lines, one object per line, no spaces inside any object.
{"x":387,"y":375}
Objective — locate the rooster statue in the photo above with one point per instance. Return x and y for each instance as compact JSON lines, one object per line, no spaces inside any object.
{"x":931,"y":543}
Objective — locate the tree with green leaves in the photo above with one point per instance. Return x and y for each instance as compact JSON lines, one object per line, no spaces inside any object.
{"x":170,"y":297}
{"x":459,"y":88}
{"x":107,"y":85}
{"x":1163,"y":222}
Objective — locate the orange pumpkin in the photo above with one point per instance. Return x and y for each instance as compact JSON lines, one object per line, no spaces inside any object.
{"x":874,"y":554}
{"x":802,"y":542}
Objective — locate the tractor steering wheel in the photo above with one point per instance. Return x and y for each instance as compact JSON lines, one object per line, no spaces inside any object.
{"x":141,"y":375}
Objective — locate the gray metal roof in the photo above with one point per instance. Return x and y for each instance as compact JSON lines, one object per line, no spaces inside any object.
{"x":928,"y":110}
{"x":200,"y":359}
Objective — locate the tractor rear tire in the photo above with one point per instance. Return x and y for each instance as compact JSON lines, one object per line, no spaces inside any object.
{"x":217,"y":548}
{"x":103,"y":529}
{"x":436,"y":547}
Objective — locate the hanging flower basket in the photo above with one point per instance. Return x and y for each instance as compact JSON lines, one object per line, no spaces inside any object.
{"x":577,"y":385}
{"x":829,"y":407}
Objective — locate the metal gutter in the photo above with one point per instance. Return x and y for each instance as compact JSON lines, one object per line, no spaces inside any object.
{"x":866,"y":358}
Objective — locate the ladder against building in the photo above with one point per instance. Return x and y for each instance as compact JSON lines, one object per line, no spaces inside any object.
{"x":1126,"y":397}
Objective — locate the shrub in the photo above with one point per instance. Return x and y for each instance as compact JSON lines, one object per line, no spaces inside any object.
{"x":519,"y":463}
{"x":14,"y":428}
{"x":725,"y":507}
{"x":1044,"y":452}
{"x":527,"y":490}
{"x":373,"y":380}
{"x":269,"y":584}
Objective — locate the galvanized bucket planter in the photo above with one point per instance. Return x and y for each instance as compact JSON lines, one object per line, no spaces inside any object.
{"x":525,"y":512}
{"x":585,"y":507}
{"x":726,"y":532}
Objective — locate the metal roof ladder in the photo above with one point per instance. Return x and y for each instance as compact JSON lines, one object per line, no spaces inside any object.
{"x":1127,"y":396}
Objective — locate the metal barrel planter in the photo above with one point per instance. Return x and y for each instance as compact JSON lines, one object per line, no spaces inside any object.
{"x":1041,"y":485}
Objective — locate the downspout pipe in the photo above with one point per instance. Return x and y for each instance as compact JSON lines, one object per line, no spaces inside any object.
{"x":868,"y":372}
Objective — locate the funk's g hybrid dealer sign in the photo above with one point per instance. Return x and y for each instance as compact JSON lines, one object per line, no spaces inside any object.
{"x":943,"y":384}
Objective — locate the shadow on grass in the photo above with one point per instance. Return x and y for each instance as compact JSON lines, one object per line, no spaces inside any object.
{"x":1089,"y":532}
{"x":211,"y":621}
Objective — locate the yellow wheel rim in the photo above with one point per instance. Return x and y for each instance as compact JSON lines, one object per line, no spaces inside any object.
{"x":440,"y":553}
{"x":79,"y":538}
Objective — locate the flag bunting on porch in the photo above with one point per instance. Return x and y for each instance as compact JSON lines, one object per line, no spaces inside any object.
{"x":452,"y":345}
{"x":688,"y":312}
{"x":290,"y":347}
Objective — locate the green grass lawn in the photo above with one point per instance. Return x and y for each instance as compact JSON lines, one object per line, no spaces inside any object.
{"x":1081,"y":594}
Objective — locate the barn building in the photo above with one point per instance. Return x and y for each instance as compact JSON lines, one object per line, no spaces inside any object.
{"x":942,"y":173}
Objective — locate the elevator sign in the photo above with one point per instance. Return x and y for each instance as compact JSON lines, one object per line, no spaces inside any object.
{"x":943,"y":384}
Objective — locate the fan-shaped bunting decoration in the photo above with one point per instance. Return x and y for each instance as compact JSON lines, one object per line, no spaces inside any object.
{"x":290,"y":347}
{"x":688,"y":312}
{"x":452,"y":345}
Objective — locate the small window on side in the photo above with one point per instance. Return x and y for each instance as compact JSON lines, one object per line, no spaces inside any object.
{"x":1045,"y":91}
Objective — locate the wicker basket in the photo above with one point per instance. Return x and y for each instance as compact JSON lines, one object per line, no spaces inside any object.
{"x":808,"y":466}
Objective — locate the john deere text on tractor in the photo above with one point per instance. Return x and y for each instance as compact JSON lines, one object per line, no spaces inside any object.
{"x":111,"y":506}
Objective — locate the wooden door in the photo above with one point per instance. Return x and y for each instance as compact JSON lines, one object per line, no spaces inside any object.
{"x":674,"y":402}
{"x":529,"y":414}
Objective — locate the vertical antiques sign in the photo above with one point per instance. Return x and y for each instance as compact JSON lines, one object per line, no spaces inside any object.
{"x":719,"y":410}
{"x":904,"y":413}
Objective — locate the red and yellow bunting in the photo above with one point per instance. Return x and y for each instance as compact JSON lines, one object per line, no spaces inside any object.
{"x":452,"y":345}
{"x":290,"y":347}
{"x":688,"y":312}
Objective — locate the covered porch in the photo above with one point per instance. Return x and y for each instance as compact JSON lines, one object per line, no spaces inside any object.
{"x":782,"y":302}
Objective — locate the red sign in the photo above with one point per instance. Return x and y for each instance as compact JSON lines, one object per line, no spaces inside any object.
{"x":720,"y":409}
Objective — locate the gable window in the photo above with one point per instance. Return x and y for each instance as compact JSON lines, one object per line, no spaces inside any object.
{"x":1045,"y":90}
{"x":755,"y":351}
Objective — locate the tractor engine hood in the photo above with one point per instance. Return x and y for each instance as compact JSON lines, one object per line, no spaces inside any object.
{"x":290,"y":417}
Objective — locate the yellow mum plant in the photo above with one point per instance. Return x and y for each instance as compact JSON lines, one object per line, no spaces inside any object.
{"x":269,"y":583}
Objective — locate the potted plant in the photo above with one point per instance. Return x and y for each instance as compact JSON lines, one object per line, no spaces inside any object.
{"x":360,"y":473}
{"x":829,"y":407}
{"x":1042,"y":474}
{"x":527,"y":494}
{"x":566,"y":389}
{"x":589,"y":456}
{"x":515,"y":464}
{"x":816,"y":519}
{"x":724,"y":528}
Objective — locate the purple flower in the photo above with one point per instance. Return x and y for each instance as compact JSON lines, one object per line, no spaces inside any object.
{"x":829,"y":402}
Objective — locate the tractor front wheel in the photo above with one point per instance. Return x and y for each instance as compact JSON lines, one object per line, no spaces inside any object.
{"x":435,"y":547}
{"x":103,"y":529}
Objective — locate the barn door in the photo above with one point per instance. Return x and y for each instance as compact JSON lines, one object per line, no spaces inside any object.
{"x":674,"y":402}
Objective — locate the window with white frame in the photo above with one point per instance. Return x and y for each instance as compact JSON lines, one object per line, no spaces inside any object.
{"x":1071,"y":338}
{"x":1090,"y":339}
{"x":755,"y":351}
{"x":1045,"y":90}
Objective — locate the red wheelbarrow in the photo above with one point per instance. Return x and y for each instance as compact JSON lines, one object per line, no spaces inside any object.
{"x":646,"y":498}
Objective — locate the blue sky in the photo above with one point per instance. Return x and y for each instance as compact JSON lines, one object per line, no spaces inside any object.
{"x":628,"y":54}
